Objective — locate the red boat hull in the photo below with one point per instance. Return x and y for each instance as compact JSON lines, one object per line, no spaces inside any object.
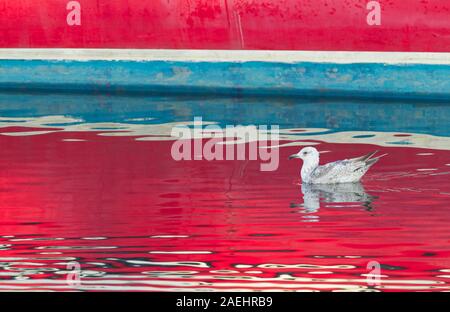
{"x":411,"y":25}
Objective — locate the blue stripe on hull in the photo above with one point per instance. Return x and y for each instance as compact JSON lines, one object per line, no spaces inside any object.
{"x":363,"y":80}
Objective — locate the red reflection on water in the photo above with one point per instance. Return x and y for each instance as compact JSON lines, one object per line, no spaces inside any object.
{"x":121,"y":192}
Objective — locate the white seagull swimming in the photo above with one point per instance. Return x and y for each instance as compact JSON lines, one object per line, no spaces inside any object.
{"x":341,"y":171}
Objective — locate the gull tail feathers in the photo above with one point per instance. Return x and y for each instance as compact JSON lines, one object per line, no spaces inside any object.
{"x":365,"y":157}
{"x":371,"y":161}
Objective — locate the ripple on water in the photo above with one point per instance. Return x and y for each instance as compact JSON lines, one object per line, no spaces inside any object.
{"x":135,"y":219}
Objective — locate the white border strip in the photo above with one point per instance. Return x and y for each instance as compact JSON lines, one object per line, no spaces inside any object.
{"x":338,"y":57}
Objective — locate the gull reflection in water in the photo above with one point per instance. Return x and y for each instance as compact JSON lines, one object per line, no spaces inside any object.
{"x":343,"y":195}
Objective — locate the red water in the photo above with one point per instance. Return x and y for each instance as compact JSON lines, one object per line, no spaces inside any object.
{"x":137,"y":220}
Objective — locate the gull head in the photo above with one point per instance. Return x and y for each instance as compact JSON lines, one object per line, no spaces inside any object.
{"x":308,"y":154}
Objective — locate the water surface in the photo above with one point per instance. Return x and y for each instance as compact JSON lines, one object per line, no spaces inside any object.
{"x":90,"y":178}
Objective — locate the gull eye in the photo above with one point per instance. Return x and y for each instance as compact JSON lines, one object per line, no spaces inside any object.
{"x":304,"y":153}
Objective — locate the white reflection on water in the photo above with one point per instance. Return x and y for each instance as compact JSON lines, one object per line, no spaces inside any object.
{"x":181,"y":281}
{"x":19,"y":274}
{"x":162,"y":132}
{"x":345,"y":195}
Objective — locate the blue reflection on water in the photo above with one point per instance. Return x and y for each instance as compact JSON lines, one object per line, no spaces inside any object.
{"x":337,"y":115}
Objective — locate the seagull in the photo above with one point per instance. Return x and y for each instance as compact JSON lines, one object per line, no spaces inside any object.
{"x":341,"y":171}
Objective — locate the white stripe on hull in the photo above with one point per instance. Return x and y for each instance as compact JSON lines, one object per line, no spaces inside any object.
{"x":338,"y":57}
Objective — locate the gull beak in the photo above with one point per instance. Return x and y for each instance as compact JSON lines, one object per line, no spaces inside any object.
{"x":293,"y":156}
